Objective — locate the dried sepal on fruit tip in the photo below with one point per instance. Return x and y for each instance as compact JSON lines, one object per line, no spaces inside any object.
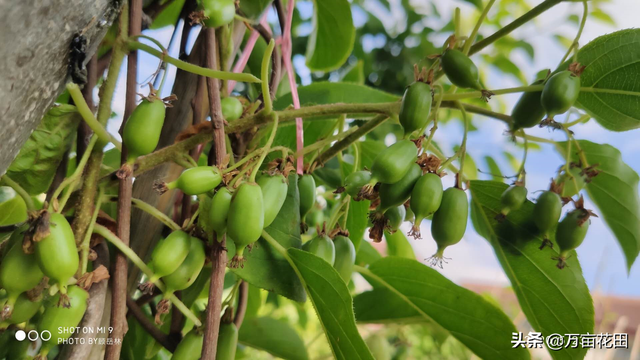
{"x":237,"y":262}
{"x":415,"y":231}
{"x":379,"y":225}
{"x":162,"y":308}
{"x":147,"y":288}
{"x":160,"y":187}
{"x":437,"y":259}
{"x":63,"y":301}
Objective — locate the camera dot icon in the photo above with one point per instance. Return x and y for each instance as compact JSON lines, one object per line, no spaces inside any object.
{"x":20,"y":335}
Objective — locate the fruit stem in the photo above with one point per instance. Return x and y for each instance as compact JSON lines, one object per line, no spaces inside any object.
{"x":265,"y":149}
{"x":574,"y":44}
{"x":159,"y":215}
{"x":113,"y":239}
{"x":264,"y":74}
{"x":474,"y":32}
{"x":70,"y":182}
{"x":463,"y":146}
{"x":86,"y":241}
{"x":435,"y":111}
{"x":5,"y":179}
{"x":194,"y":69}
{"x":524,"y":156}
{"x":90,"y":119}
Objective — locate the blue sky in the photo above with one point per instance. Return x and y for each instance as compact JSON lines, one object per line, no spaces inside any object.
{"x":473,"y":259}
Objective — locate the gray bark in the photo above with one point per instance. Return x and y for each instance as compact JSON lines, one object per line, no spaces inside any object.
{"x":34,"y":46}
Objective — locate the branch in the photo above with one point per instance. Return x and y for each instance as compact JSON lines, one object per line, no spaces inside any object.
{"x":479,"y":110}
{"x":218,"y":251}
{"x":195,"y":69}
{"x":148,"y":326}
{"x":350,"y":139}
{"x":531,"y":14}
{"x":119,"y":295}
{"x":243,"y":296}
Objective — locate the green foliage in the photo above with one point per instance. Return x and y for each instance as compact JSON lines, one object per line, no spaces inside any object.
{"x":472,"y":320}
{"x":554,"y":301}
{"x":609,"y":60}
{"x":276,"y":337}
{"x":40,"y":156}
{"x":615,"y":193}
{"x":333,"y":35}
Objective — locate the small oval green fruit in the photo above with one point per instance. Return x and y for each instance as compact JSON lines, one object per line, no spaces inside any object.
{"x":227,"y":341}
{"x":449,"y":222}
{"x":169,"y":253}
{"x":190,"y":348}
{"x":393,"y":163}
{"x":218,"y":12}
{"x":416,"y":106}
{"x":57,"y":318}
{"x":395,"y":216}
{"x":57,"y":253}
{"x":528,"y":111}
{"x":323,"y":247}
{"x":231,"y":108}
{"x":315,"y":218}
{"x":24,"y":309}
{"x":274,"y":194}
{"x":307,"y":190}
{"x":220,"y":204}
{"x":560,"y":93}
{"x":142,"y":130}
{"x":19,"y":272}
{"x":355,"y":181}
{"x":546,"y":212}
{"x":246,"y":218}
{"x":345,"y":257}
{"x":197,"y":180}
{"x":512,"y":199}
{"x":425,"y":200}
{"x":572,"y":182}
{"x":460,"y":70}
{"x":570,"y":233}
{"x":188,"y":271}
{"x":392,"y":195}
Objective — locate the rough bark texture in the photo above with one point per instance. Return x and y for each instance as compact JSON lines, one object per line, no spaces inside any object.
{"x":36,"y":36}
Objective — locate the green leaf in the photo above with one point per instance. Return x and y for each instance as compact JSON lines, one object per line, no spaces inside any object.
{"x":504,"y":64}
{"x":476,"y":323}
{"x":369,"y":149}
{"x":608,"y":94}
{"x":319,"y":93}
{"x":355,"y":74}
{"x":331,"y":40}
{"x":252,"y":9}
{"x":383,"y":306}
{"x":554,"y":300}
{"x":169,"y":15}
{"x":602,"y":17}
{"x":398,"y":245}
{"x":40,"y":156}
{"x":357,"y":220}
{"x":333,"y":304}
{"x":615,"y":193}
{"x":264,"y":266}
{"x":515,"y":163}
{"x":367,"y":254}
{"x":493,"y":169}
{"x":13,"y":209}
{"x":276,"y":337}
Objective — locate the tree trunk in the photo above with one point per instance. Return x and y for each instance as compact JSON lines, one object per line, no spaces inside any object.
{"x":36,"y":37}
